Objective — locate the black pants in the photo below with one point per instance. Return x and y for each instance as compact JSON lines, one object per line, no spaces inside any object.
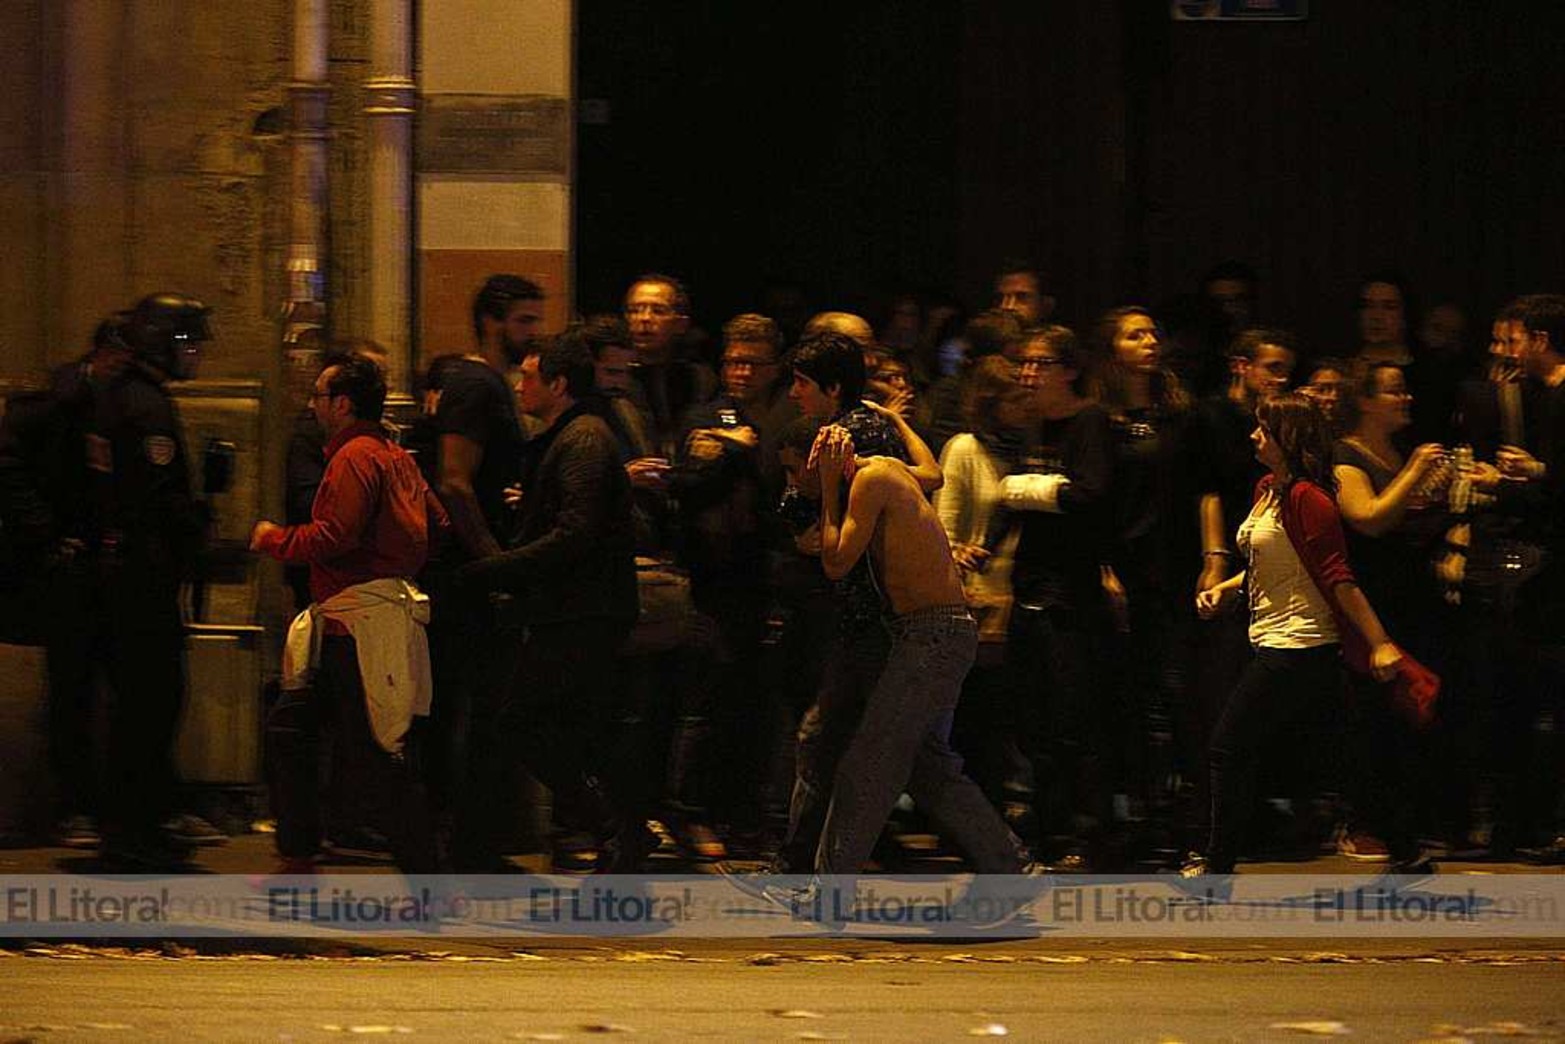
{"x":1383,"y":749}
{"x":388,"y":786}
{"x":473,"y":648}
{"x":121,"y":618}
{"x":1275,"y":693}
{"x":555,"y":718}
{"x":1062,"y":720}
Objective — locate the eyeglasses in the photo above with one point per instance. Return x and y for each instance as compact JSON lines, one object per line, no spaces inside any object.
{"x":755,"y":364}
{"x":657,"y":311}
{"x":1041,"y":363}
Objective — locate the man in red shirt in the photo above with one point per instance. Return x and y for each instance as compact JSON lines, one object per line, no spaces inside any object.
{"x":372,"y":523}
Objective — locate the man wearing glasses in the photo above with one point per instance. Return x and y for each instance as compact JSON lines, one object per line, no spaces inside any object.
{"x":725,"y":493}
{"x":362,"y":639}
{"x":657,"y":310}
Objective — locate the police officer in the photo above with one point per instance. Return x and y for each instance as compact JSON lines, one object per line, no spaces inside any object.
{"x":95,"y":486}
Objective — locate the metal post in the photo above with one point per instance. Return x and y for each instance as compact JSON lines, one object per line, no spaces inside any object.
{"x":308,"y":94}
{"x":389,"y":104}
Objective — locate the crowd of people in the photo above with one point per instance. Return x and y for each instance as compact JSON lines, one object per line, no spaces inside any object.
{"x":1168,"y":592}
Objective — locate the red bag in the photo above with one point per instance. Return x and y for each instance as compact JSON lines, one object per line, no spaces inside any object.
{"x":1414,"y":690}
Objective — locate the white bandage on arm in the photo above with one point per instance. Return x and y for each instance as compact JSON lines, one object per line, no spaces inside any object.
{"x":1033,"y":492}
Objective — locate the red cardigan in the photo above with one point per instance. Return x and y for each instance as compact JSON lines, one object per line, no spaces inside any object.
{"x":1314,"y":527}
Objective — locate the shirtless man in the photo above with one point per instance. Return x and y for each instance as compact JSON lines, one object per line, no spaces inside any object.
{"x":875,"y":505}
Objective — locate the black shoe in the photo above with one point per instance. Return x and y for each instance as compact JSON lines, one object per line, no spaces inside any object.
{"x":358,"y":839}
{"x":627,"y":852}
{"x":1021,"y":818}
{"x":144,"y":855}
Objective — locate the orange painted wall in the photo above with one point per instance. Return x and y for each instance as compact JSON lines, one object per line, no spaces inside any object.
{"x":449,"y":278}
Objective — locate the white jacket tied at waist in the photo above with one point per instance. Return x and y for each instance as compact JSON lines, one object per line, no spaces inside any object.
{"x":386,"y":619}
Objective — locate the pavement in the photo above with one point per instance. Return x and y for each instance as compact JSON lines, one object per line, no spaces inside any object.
{"x":891,"y":996}
{"x":252,"y":854}
{"x":821,"y":988}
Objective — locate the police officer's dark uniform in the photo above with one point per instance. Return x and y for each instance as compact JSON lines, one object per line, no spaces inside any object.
{"x":96,"y":490}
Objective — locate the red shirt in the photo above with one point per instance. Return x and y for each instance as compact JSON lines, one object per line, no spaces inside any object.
{"x":373,"y":516}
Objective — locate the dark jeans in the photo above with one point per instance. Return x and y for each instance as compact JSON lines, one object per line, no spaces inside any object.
{"x":554,"y":717}
{"x":1275,"y":693}
{"x":1383,"y":749}
{"x":1220,"y":651}
{"x":902,"y":742}
{"x":473,"y":650}
{"x":744,"y":706}
{"x":119,"y":618}
{"x":853,"y":667}
{"x":1061,"y":720}
{"x":388,"y":786}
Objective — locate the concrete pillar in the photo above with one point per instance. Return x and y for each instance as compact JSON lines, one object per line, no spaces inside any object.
{"x":495,"y":157}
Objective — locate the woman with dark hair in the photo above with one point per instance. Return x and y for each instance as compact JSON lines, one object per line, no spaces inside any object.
{"x":1324,"y":378}
{"x":998,"y":412}
{"x":1152,"y":562}
{"x":1060,"y":496}
{"x":1394,"y":508}
{"x":996,"y":409}
{"x":1307,"y":614}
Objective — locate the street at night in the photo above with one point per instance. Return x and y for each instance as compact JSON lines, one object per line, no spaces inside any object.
{"x":820,"y":991}
{"x":875,"y":521}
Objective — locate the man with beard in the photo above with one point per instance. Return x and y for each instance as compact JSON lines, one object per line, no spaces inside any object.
{"x":478,"y":440}
{"x":476,"y":418}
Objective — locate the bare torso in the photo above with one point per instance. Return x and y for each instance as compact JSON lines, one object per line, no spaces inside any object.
{"x":908,"y":549}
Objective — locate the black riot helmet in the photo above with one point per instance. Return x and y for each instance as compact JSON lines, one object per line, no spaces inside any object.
{"x":164,"y":330}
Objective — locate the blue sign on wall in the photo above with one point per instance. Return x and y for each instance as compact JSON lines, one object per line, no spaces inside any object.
{"x":1239,"y":10}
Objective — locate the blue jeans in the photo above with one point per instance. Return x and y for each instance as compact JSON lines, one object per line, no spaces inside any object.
{"x":854,"y":664}
{"x":903,"y":743}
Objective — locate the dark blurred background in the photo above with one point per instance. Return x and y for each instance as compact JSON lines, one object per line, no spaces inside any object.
{"x":861,"y":149}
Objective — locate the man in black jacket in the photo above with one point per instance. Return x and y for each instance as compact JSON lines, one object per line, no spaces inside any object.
{"x":95,"y":484}
{"x":572,"y":573}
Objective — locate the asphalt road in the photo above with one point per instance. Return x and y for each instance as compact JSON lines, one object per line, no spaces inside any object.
{"x":818,"y":992}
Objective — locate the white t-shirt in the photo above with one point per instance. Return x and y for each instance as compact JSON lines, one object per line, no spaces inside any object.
{"x":1287,"y":610}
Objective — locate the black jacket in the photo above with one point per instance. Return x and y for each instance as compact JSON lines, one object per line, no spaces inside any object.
{"x":574,"y":558}
{"x":104,"y":464}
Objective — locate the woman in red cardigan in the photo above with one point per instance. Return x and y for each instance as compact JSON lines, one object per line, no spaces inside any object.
{"x":1307,"y":613}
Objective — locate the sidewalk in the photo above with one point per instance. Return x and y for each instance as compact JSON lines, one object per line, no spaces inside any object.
{"x":254,"y":854}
